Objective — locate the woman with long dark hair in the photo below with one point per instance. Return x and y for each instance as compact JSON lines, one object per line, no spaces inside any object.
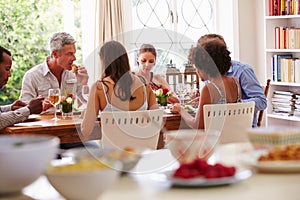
{"x":118,"y":89}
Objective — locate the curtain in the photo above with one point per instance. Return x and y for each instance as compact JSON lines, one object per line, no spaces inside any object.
{"x":108,"y":25}
{"x":109,"y":19}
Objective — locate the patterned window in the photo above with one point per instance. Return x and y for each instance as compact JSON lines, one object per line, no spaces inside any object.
{"x":172,"y":26}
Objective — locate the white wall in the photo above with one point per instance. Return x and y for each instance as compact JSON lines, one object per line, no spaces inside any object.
{"x":251,"y":33}
{"x":241,"y":23}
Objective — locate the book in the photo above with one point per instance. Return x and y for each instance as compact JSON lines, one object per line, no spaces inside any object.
{"x":297,"y":70}
{"x":277,"y":61}
{"x":287,"y":72}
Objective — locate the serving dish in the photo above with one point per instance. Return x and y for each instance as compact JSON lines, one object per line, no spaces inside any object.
{"x":251,"y":159}
{"x":203,"y":182}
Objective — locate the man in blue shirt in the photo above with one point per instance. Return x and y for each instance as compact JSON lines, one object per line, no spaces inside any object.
{"x":251,"y":88}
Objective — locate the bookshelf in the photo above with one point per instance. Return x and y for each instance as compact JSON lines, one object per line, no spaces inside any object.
{"x":281,"y":44}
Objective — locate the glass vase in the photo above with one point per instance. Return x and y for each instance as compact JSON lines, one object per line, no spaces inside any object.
{"x":67,"y":110}
{"x":163,"y":101}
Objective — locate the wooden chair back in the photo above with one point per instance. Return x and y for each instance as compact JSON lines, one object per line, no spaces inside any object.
{"x":232,"y":119}
{"x":261,"y":113}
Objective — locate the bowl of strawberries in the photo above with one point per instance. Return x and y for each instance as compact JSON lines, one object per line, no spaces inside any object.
{"x":199,"y":173}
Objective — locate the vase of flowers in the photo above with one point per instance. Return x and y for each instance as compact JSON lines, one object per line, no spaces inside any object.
{"x":162,"y":95}
{"x":67,"y":106}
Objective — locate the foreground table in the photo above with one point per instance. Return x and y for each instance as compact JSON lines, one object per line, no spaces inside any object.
{"x":145,"y":182}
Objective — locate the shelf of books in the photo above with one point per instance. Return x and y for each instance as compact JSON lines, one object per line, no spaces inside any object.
{"x":282,"y":57}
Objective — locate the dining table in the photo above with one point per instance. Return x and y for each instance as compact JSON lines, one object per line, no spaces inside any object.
{"x":150,"y":179}
{"x":68,"y":129}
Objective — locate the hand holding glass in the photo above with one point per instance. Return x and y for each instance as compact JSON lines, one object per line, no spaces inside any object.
{"x":54,"y":98}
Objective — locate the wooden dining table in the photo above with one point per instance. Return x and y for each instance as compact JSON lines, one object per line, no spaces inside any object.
{"x":68,"y":130}
{"x":149,"y":180}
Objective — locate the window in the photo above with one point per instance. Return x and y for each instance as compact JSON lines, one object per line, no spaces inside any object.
{"x":172,"y":26}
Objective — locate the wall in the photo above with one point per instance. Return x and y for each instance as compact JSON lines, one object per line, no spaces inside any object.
{"x":242,"y":26}
{"x":251,"y":33}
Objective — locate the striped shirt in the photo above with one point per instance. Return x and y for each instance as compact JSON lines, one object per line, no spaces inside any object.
{"x":9,"y":117}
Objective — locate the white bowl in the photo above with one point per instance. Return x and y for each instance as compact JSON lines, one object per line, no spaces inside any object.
{"x":24,"y":159}
{"x":82,"y":180}
{"x":128,"y":158}
{"x":188,"y":144}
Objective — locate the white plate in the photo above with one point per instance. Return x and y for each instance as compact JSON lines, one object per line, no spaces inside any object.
{"x":251,"y":159}
{"x":203,"y":182}
{"x":33,"y":117}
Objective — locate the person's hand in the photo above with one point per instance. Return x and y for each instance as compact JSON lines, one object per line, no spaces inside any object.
{"x":82,"y":76}
{"x":173,"y":99}
{"x":176,"y":108}
{"x":36,"y":105}
{"x":195,"y":96}
{"x":18,"y":104}
{"x":46,"y":104}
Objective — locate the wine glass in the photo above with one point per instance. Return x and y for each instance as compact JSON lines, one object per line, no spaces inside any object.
{"x":182,"y":90}
{"x":85,"y":92}
{"x":54,"y":98}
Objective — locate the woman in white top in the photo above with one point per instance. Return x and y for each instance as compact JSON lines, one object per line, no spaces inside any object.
{"x":118,"y":88}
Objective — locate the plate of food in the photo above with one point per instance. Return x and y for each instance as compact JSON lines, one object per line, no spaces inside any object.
{"x":201,"y":174}
{"x":205,"y":182}
{"x":285,"y":159}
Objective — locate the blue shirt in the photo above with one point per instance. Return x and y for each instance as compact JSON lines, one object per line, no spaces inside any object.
{"x":251,"y":88}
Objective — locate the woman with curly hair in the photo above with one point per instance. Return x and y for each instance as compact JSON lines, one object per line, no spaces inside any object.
{"x":212,"y":60}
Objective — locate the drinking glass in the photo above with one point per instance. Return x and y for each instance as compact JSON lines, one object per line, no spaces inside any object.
{"x":85,"y":92}
{"x":54,"y":98}
{"x":182,"y":90}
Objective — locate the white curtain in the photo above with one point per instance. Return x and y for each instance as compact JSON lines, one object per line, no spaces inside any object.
{"x":102,"y":20}
{"x":109,"y":20}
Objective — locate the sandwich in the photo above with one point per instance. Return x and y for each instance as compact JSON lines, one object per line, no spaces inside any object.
{"x":75,"y":68}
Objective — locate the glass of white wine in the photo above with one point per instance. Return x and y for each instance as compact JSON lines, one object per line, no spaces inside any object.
{"x":54,"y":98}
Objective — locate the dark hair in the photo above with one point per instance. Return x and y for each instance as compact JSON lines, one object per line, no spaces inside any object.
{"x":3,"y":50}
{"x":213,"y":58}
{"x":210,"y":37}
{"x":116,"y":63}
{"x":147,"y":48}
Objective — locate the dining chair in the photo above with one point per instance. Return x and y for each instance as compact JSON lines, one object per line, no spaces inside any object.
{"x":133,"y":129}
{"x":261,"y":112}
{"x":232,"y":120}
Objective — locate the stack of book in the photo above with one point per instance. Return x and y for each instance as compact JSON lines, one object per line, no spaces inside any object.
{"x":282,"y":102}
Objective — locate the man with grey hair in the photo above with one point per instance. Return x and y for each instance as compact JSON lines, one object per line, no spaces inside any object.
{"x":55,"y":71}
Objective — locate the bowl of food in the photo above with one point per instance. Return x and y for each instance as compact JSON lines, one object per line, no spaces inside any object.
{"x":128,"y":156}
{"x":24,"y":159}
{"x":272,"y":136}
{"x":186,"y":145}
{"x":86,"y":178}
